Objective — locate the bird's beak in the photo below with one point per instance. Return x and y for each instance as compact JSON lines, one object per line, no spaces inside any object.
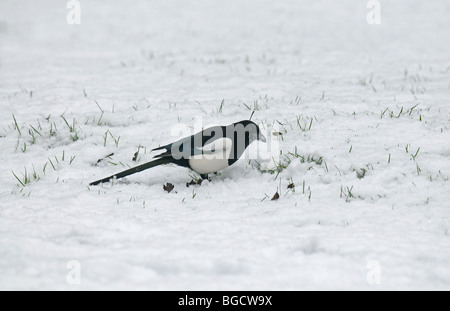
{"x":262,"y":138}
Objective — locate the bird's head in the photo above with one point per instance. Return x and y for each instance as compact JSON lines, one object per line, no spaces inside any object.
{"x":251,"y":130}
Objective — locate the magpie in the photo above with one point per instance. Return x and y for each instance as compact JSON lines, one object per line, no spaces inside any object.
{"x":205,"y":152}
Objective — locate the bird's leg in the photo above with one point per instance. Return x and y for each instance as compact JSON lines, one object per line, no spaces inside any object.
{"x":204,"y":176}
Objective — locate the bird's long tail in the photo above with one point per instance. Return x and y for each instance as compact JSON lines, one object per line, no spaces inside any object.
{"x":133,"y":170}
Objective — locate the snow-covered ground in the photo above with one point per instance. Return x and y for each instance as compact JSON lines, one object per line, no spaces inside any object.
{"x":371,"y":170}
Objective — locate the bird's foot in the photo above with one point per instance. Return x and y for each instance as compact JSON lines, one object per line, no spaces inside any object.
{"x":193,"y":182}
{"x":205,"y":177}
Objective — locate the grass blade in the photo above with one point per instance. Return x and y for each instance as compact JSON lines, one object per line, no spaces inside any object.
{"x":18,"y":179}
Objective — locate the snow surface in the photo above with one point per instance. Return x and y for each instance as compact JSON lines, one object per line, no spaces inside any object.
{"x":153,"y":65}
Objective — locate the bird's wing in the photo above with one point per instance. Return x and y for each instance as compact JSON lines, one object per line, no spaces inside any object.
{"x":217,"y":146}
{"x":200,"y":143}
{"x":175,"y":149}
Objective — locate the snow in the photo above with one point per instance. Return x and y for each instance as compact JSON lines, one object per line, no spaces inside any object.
{"x":375,"y":95}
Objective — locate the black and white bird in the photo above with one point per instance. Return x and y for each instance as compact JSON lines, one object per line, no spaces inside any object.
{"x":206,"y":152}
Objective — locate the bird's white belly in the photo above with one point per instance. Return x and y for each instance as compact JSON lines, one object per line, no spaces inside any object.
{"x":214,"y":159}
{"x":204,"y":165}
